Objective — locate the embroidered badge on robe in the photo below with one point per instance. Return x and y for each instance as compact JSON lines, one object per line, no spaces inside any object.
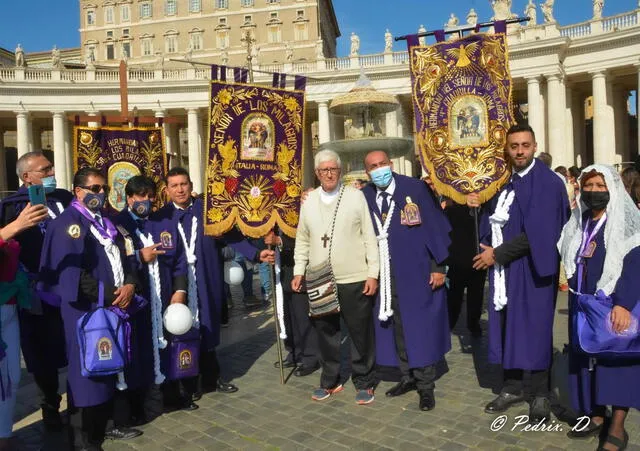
{"x":166,"y":240}
{"x":589,"y":250}
{"x":410,"y":214}
{"x":74,"y":231}
{"x":128,"y":246}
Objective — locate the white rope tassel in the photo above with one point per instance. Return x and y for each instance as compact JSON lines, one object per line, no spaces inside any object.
{"x":279,"y":297}
{"x":190,"y":251}
{"x":385,"y":265}
{"x":113,"y":255}
{"x":498,"y":219}
{"x":157,"y":331}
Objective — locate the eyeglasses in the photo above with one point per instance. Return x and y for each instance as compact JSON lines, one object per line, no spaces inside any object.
{"x":96,"y":189}
{"x":45,"y":170}
{"x":327,"y":171}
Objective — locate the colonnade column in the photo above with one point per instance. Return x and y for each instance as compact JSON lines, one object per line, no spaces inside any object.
{"x":23,"y":131}
{"x":59,"y":155}
{"x":569,"y":127}
{"x":603,"y":123}
{"x":324,"y":128}
{"x":556,"y":114}
{"x":619,"y":104}
{"x":3,"y":163}
{"x":535,"y":113}
{"x":195,"y":149}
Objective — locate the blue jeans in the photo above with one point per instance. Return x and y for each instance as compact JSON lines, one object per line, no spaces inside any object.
{"x":247,"y":283}
{"x":265,"y":280}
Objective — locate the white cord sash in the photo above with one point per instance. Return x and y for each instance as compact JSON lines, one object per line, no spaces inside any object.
{"x":113,"y":255}
{"x":157,"y":331}
{"x":190,"y":251}
{"x":279,"y":296}
{"x":498,"y":219}
{"x":385,"y":264}
{"x":52,"y":214}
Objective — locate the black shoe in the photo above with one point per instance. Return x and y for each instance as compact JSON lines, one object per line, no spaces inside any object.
{"x":476,"y":331}
{"x":225,"y":387}
{"x":592,"y":429}
{"x":197,"y":396}
{"x":402,"y":387}
{"x":303,"y":370}
{"x":122,"y":433}
{"x":503,"y":402}
{"x":189,"y":406}
{"x":51,"y":418}
{"x":540,"y":410}
{"x":427,"y":400}
{"x":285,"y":364}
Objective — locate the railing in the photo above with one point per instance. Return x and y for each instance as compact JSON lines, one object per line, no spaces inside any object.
{"x":400,"y":57}
{"x":576,"y":31}
{"x":7,"y":74}
{"x":607,"y":25}
{"x":306,"y":67}
{"x":371,"y":60}
{"x":203,"y":74}
{"x":272,"y":67}
{"x":139,"y":74}
{"x":73,"y":75}
{"x":174,"y":74}
{"x":107,"y":75}
{"x":620,"y":21}
{"x":37,"y":74}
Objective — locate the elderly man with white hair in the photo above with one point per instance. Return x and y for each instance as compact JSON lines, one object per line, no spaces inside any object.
{"x":336,"y":254}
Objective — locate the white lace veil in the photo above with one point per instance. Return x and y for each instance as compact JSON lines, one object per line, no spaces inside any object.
{"x":621,"y":231}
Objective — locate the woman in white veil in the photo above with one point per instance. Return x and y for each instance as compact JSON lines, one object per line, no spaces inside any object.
{"x":600,"y":249}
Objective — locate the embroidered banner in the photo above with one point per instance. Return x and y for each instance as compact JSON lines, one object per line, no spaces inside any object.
{"x":254,"y":165}
{"x":121,"y":153}
{"x":462,"y":104}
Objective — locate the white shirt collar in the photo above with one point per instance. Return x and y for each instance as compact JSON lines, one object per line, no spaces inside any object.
{"x":526,"y":170}
{"x":389,"y":189}
{"x":178,"y":207}
{"x":328,"y":197}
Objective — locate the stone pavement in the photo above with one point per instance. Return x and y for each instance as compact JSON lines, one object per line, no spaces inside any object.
{"x":267,"y":415}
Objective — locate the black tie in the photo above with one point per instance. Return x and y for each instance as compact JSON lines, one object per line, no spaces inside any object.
{"x":384,"y":208}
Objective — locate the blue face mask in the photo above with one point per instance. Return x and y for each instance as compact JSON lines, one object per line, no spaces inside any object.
{"x":94,"y":202}
{"x":49,"y":184}
{"x":141,"y":208}
{"x":381,"y":177}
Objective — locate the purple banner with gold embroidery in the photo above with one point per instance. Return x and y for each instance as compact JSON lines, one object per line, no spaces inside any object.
{"x":254,"y":164}
{"x":120,"y":153}
{"x":462,"y":104}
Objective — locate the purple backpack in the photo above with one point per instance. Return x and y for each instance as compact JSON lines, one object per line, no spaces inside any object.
{"x":592,"y":330}
{"x":182,"y":354}
{"x":102,"y":340}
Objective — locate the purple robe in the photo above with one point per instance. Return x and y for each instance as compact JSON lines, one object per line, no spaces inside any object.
{"x":412,"y":248}
{"x":41,"y":336}
{"x":209,"y":266}
{"x":521,"y":335}
{"x":64,"y":259}
{"x":139,"y":372}
{"x":612,"y":382}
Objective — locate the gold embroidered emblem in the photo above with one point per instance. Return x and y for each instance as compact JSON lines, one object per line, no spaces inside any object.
{"x":74,"y":231}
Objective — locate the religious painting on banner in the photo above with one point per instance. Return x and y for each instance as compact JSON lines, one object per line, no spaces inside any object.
{"x":120,"y":153}
{"x":254,"y":164}
{"x":462,"y":103}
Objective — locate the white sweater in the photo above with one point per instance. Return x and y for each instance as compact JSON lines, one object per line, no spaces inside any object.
{"x":354,"y":251}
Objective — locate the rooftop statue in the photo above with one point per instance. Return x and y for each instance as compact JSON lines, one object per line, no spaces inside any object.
{"x":531,"y":12}
{"x":355,"y":44}
{"x":388,"y":41}
{"x":472,"y":17}
{"x":547,"y":11}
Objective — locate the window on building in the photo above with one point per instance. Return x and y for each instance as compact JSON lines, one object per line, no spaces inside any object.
{"x":145,"y":10}
{"x":273,"y":1}
{"x":301,"y":32}
{"x":109,"y":34}
{"x":273,"y":16}
{"x":126,"y":50}
{"x":91,"y":17}
{"x":196,"y":41}
{"x":274,"y":34}
{"x":300,"y":14}
{"x":222,"y":21}
{"x":108,"y":14}
{"x":147,"y":47}
{"x":222,"y":39}
{"x":222,"y":4}
{"x":248,"y":20}
{"x":246,"y":3}
{"x":110,"y":52}
{"x":170,"y":7}
{"x":171,"y":44}
{"x":195,"y":6}
{"x":125,"y":13}
{"x":125,"y":32}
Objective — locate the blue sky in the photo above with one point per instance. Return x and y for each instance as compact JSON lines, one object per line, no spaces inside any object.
{"x":39,"y":24}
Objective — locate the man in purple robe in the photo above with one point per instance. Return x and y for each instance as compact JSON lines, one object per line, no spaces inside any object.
{"x":412,"y":329}
{"x":204,"y":253}
{"x":82,"y":250}
{"x":41,"y":331}
{"x":519,"y":230}
{"x":135,"y":405}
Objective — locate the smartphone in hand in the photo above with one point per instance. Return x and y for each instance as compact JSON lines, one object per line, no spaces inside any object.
{"x":36,"y":195}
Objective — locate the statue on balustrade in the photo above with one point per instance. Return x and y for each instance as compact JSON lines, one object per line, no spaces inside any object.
{"x":159,"y":60}
{"x":90,"y":58}
{"x":547,"y":11}
{"x":255,"y":50}
{"x":224,"y":57}
{"x":319,"y":49}
{"x":20,"y":62}
{"x":531,"y":12}
{"x":452,"y":22}
{"x":355,"y":44}
{"x":472,"y":17}
{"x":388,"y":41}
{"x":598,"y":6}
{"x":422,"y":40}
{"x":188,"y":54}
{"x":288,"y":52}
{"x":55,"y":58}
{"x":502,"y":10}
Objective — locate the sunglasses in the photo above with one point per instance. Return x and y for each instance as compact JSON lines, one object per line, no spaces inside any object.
{"x":96,"y":189}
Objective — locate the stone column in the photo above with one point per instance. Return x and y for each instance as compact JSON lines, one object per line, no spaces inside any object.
{"x":391,"y":124}
{"x":555,"y":115}
{"x":579,"y":130}
{"x":68,"y":151}
{"x":169,"y":150}
{"x":336,"y":127}
{"x":324,"y":129}
{"x":195,"y":154}
{"x":308,"y":175}
{"x":59,"y":156}
{"x":638,"y":105}
{"x":619,"y":105}
{"x":3,"y":163}
{"x":603,"y":123}
{"x":23,"y":132}
{"x":536,"y":113}
{"x":570,"y":152}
